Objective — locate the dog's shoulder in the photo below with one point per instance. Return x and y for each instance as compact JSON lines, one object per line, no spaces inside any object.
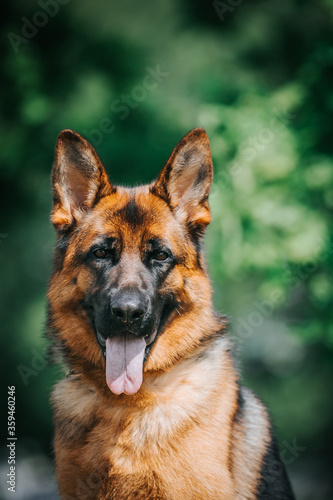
{"x":274,"y":483}
{"x":257,"y":465}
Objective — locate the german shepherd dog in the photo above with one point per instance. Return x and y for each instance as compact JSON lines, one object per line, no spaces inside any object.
{"x":151,"y":407}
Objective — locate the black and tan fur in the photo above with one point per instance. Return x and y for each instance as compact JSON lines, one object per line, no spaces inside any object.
{"x":190,"y":432}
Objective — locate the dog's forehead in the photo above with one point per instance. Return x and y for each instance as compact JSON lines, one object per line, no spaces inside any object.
{"x":131,"y":212}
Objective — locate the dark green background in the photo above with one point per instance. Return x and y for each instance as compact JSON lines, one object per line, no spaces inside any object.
{"x":259,"y":79}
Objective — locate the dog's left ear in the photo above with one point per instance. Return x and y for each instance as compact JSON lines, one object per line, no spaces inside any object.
{"x":79,"y":180}
{"x":186,"y":179}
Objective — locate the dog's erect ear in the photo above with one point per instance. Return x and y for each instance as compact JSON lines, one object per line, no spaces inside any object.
{"x":78,"y":180}
{"x":186,"y":179}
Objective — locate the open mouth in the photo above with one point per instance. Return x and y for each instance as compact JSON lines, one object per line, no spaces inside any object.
{"x":149,"y":339}
{"x":124,"y":356}
{"x":102,"y":341}
{"x":126,"y":353}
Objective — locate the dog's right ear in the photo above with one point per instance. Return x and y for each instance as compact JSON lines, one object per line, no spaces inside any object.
{"x":79,"y":180}
{"x":185,"y":181}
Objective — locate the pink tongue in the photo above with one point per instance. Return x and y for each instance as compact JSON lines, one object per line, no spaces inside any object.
{"x":124,"y":363}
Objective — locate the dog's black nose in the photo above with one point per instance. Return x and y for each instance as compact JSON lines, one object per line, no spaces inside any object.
{"x":128,"y":308}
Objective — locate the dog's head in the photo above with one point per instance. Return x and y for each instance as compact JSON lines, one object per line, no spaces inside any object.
{"x":129,"y":280}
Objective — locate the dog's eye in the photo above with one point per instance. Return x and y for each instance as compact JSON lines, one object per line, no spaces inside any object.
{"x":100,"y":253}
{"x":161,"y":255}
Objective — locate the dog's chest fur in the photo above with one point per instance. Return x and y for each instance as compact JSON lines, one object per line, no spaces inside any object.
{"x":152,"y":436}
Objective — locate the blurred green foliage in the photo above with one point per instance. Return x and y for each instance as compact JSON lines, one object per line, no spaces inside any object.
{"x":259,"y":79}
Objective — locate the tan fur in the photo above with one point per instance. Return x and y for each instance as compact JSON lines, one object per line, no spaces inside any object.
{"x":166,"y":429}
